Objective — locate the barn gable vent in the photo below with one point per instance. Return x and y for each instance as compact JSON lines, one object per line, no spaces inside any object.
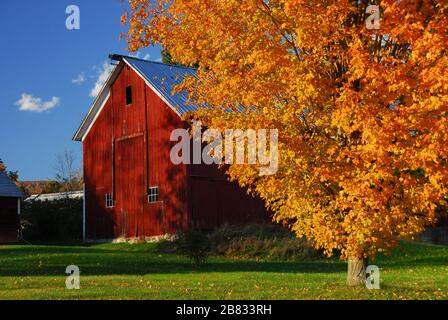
{"x":128,"y":95}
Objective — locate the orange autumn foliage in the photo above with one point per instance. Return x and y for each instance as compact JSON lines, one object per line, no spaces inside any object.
{"x":362,"y":114}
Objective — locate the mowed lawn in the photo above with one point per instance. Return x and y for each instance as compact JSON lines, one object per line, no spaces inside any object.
{"x":125,"y":271}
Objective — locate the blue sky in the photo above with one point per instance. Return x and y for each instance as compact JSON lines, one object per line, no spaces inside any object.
{"x":45,"y":66}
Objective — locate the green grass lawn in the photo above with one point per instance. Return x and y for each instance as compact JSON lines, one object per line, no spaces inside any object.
{"x":124,"y":271}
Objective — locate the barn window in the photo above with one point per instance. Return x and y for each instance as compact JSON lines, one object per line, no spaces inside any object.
{"x":128,"y":95}
{"x":153,"y":194}
{"x":110,"y":203}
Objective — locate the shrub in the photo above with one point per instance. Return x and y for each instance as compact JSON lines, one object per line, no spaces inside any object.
{"x":266,"y":242}
{"x":58,"y":220}
{"x":193,"y":244}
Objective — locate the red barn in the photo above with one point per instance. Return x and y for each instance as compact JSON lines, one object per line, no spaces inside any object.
{"x":132,"y":189}
{"x":10,"y":196}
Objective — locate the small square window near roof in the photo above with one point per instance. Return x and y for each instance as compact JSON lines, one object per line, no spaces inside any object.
{"x":128,"y":95}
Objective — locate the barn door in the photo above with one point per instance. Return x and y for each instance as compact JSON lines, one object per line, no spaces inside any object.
{"x":130,"y":185}
{"x":204,"y":203}
{"x":9,"y":219}
{"x":155,"y":220}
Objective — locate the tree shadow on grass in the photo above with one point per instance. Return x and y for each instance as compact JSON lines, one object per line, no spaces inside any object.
{"x":84,"y":248}
{"x":49,"y":261}
{"x":142,"y":259}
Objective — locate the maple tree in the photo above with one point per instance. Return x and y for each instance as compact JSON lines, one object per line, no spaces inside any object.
{"x":361,"y":112}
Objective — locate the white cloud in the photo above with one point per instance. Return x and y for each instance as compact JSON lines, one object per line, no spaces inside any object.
{"x":138,"y":55}
{"x":80,"y":78}
{"x":159,"y":60}
{"x":29,"y":103}
{"x":103,"y":75}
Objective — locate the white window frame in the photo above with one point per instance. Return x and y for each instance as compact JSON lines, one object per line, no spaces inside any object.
{"x":153,"y":194}
{"x":110,"y":203}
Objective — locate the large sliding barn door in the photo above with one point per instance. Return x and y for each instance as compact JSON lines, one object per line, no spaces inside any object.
{"x":130,"y":185}
{"x":204,"y":203}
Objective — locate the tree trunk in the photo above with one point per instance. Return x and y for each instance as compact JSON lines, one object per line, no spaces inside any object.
{"x":356,"y":275}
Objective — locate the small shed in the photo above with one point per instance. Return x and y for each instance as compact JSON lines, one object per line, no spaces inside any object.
{"x":10,"y":197}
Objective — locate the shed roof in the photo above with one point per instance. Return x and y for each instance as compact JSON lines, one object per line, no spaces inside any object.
{"x":8,"y":188}
{"x":158,"y":76}
{"x":56,"y":196}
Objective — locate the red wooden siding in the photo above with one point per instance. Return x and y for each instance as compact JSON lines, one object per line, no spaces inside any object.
{"x":130,"y":185}
{"x":128,"y":119}
{"x":129,"y":134}
{"x":9,"y":219}
{"x":171,"y":211}
{"x":215,"y":201}
{"x":127,"y":150}
{"x":97,"y":157}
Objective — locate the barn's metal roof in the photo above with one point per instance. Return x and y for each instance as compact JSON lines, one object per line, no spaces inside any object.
{"x":163,"y":78}
{"x":159,"y":76}
{"x":8,"y":188}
